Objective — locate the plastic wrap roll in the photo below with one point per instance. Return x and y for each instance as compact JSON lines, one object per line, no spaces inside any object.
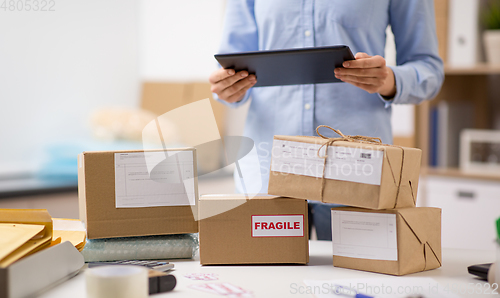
{"x":117,"y":282}
{"x":162,"y":247}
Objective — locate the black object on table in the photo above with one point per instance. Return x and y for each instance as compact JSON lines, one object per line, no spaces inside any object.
{"x":480,"y":270}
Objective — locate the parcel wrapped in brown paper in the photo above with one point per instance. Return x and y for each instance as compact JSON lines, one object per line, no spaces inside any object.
{"x":261,"y":230}
{"x":396,"y":241}
{"x":350,"y":170}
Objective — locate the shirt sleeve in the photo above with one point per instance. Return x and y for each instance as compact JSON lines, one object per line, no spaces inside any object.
{"x":419,"y":73}
{"x":239,"y":34}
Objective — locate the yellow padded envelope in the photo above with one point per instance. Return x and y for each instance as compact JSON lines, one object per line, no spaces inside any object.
{"x":31,"y":217}
{"x":12,"y":236}
{"x":71,"y":230}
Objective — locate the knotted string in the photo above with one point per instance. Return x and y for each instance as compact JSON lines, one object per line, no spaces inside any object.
{"x":354,"y":139}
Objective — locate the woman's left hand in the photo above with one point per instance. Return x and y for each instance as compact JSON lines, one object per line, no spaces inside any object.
{"x":369,"y":73}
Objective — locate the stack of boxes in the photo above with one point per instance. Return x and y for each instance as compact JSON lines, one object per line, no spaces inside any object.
{"x":138,"y":193}
{"x":379,"y":230}
{"x":383,"y":231}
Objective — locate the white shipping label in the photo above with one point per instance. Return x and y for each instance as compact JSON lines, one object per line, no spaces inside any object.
{"x":153,"y":179}
{"x":352,"y":164}
{"x":278,"y":225}
{"x":364,"y":235}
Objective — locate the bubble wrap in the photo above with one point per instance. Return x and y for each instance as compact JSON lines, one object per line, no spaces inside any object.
{"x":182,"y":246}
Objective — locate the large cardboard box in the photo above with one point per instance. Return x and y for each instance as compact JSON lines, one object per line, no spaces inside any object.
{"x":262,"y":230}
{"x":396,"y":241}
{"x":162,"y":97}
{"x":356,"y":174}
{"x":138,"y":193}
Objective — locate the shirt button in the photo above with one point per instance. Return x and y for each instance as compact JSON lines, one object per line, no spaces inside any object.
{"x":307,"y":33}
{"x":307,"y":106}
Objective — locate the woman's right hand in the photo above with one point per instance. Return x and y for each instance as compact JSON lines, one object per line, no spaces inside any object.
{"x":231,"y":86}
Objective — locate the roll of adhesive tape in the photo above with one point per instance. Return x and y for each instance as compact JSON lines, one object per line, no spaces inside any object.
{"x":117,"y":281}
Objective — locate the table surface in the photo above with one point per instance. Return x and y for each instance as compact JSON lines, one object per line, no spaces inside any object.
{"x":288,"y":280}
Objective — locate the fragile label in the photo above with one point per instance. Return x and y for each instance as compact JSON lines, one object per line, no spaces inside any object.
{"x":278,"y":225}
{"x":352,"y":164}
{"x":364,"y":235}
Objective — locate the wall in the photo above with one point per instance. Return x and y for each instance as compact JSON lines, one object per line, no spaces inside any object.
{"x":57,"y":66}
{"x":179,"y":38}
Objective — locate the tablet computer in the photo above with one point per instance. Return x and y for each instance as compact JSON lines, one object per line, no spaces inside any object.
{"x":291,"y":66}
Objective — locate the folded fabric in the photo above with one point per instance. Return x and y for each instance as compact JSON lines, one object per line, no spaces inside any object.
{"x":181,"y":246}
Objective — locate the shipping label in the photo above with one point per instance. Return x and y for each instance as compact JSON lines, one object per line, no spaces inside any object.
{"x":364,"y":235}
{"x":153,"y":179}
{"x":354,"y":164}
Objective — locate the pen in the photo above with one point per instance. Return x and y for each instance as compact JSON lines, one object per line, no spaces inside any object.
{"x":349,"y":292}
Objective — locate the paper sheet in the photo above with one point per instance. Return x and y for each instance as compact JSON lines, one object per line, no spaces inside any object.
{"x":343,"y":163}
{"x":390,"y":287}
{"x":71,"y":230}
{"x":364,"y":235}
{"x":154,"y":179}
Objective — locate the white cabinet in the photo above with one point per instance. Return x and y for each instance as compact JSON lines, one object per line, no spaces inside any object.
{"x":470,"y":208}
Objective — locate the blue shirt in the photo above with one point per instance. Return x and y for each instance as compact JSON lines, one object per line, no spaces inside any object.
{"x":252,"y":25}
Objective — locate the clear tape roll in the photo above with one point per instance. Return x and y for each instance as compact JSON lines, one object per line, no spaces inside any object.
{"x":117,"y":281}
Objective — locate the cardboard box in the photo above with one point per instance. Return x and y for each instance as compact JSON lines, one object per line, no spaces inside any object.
{"x":31,"y":276}
{"x":138,"y":193}
{"x":262,"y":230}
{"x":162,"y":97}
{"x":397,"y":241}
{"x":356,"y":174}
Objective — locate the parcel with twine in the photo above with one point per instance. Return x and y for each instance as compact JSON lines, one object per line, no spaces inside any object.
{"x":357,"y":171}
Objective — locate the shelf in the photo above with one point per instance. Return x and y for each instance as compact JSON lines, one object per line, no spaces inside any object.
{"x":455,"y":172}
{"x":479,"y":69}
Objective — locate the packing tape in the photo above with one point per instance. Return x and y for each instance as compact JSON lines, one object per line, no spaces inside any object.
{"x":117,"y":281}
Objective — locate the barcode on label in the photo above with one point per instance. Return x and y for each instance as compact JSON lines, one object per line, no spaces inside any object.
{"x":366,"y":155}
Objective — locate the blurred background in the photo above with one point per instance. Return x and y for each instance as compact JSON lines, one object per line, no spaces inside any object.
{"x":89,"y":75}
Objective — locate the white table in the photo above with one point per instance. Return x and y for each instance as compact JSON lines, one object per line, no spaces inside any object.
{"x":284,"y":280}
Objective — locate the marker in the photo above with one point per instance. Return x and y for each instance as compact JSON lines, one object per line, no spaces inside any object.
{"x":349,"y":292}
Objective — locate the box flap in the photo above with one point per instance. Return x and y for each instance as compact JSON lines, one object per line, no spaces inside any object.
{"x":403,"y":165}
{"x":423,"y":227}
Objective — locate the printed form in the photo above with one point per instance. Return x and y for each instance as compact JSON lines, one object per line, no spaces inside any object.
{"x":352,"y":164}
{"x":152,"y":179}
{"x":364,"y":235}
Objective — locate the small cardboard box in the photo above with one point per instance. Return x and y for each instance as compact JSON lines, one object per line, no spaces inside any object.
{"x":397,"y":241}
{"x":356,"y":174}
{"x":262,"y":230}
{"x":34,"y":274}
{"x":138,"y":193}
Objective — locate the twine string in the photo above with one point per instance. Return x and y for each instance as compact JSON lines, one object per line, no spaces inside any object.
{"x":354,"y":139}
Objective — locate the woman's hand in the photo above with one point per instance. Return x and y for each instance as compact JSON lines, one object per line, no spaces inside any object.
{"x":231,"y":86}
{"x":369,"y":73}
